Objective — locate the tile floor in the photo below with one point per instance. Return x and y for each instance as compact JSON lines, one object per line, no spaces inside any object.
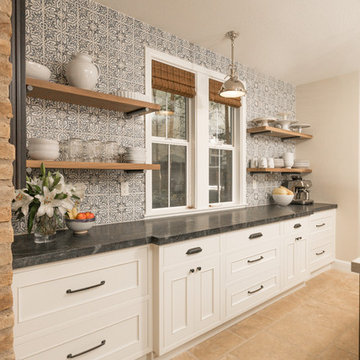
{"x":317,"y":322}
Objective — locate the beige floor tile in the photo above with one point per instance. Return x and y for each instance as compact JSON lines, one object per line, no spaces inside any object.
{"x":265,"y":346}
{"x":278,"y":309}
{"x":349,"y":339}
{"x":303,"y":333}
{"x":184,"y":356}
{"x":333,"y":353}
{"x":250,"y":326}
{"x":217,"y":346}
{"x":342,"y":299}
{"x":230,"y":357}
{"x":325,"y":315}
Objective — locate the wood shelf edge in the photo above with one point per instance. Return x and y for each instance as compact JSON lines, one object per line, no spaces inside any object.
{"x":283,"y":134}
{"x":279,"y":170}
{"x":90,"y":165}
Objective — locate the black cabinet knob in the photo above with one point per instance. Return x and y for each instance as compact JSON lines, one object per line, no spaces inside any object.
{"x":198,"y":268}
{"x":192,"y":270}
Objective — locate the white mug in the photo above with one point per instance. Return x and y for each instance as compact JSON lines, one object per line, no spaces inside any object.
{"x":254,"y":163}
{"x":263,"y":163}
{"x":270,"y":163}
{"x":289,"y":160}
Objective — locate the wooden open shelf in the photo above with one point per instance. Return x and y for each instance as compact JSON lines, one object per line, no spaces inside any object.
{"x":279,"y":170}
{"x":90,"y":165}
{"x":280,"y":133}
{"x":57,"y":92}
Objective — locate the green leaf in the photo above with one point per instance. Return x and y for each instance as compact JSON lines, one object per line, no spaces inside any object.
{"x":61,"y":196}
{"x":43,"y":170}
{"x":32,"y":212}
{"x":75,"y":197}
{"x":56,"y":181}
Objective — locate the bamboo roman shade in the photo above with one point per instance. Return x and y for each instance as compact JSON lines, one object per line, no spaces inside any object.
{"x":173,"y":80}
{"x":214,"y":88}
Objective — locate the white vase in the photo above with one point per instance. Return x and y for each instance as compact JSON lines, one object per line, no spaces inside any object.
{"x":289,"y":160}
{"x":82,"y":72}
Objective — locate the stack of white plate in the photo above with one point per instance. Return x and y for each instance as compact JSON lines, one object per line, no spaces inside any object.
{"x":135,"y":156}
{"x":43,"y":149}
{"x":302,"y":164}
{"x":279,"y":163}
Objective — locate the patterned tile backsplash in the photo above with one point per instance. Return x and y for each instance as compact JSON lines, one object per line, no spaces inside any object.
{"x":57,"y":29}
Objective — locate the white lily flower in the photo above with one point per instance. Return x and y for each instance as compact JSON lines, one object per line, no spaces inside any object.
{"x":48,"y":202}
{"x":22,"y":200}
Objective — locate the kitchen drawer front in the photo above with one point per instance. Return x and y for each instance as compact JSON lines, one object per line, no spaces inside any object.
{"x":321,"y":238}
{"x":249,"y":237}
{"x":190,"y":250}
{"x":322,"y":223}
{"x":297,"y":227}
{"x":321,"y":255}
{"x":117,"y":334}
{"x":247,"y":262}
{"x":43,"y":302}
{"x":250,"y":292}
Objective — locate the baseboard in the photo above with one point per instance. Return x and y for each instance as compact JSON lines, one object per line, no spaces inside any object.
{"x":342,"y":265}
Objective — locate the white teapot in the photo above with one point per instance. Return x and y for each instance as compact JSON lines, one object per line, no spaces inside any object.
{"x":82,"y":72}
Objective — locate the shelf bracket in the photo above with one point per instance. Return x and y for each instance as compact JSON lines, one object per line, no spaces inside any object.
{"x":140,"y":111}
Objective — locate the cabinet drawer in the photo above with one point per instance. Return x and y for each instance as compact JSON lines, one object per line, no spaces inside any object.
{"x":321,"y":255}
{"x":46,"y":300}
{"x":250,"y":292}
{"x":247,"y":262}
{"x":190,"y":250}
{"x":298,"y":226}
{"x":319,"y":224}
{"x":244,"y":238}
{"x":117,"y":334}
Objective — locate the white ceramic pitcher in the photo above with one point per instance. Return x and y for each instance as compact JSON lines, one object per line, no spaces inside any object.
{"x":82,"y":72}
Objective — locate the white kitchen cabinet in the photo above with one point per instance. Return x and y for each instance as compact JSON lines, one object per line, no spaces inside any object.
{"x":71,"y":306}
{"x":295,"y":260}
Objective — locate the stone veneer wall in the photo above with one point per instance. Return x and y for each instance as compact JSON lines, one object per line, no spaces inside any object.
{"x":57,"y":29}
{"x":6,"y":188}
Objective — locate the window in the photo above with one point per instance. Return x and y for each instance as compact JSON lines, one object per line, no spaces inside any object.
{"x":170,"y":150}
{"x":221,"y":150}
{"x":198,"y":138}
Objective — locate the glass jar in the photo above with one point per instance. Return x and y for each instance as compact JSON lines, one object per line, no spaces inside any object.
{"x":93,"y":150}
{"x":111,"y":151}
{"x":75,"y":149}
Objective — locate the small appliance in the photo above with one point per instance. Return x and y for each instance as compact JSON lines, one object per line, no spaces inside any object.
{"x":301,"y":190}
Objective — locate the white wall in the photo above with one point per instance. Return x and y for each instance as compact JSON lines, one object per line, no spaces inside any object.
{"x":331,"y":106}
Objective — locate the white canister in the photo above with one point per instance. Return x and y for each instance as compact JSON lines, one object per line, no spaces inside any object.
{"x":270,"y":163}
{"x":289,"y":160}
{"x":82,"y":72}
{"x":263,"y":163}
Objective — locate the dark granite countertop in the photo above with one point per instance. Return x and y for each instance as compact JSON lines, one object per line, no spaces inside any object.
{"x":163,"y":231}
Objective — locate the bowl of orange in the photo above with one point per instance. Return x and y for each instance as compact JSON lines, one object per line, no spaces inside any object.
{"x":82,"y":223}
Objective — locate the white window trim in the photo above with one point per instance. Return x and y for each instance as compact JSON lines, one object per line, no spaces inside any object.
{"x":198,"y":189}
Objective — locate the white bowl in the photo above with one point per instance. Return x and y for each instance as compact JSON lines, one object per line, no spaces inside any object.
{"x":44,"y":155}
{"x":283,"y":200}
{"x":43,"y":147}
{"x":37,"y":71}
{"x":80,"y":226}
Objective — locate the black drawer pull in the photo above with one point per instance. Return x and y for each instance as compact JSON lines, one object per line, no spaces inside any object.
{"x":296,"y":226}
{"x":258,"y":259}
{"x":194,"y":251}
{"x":255,"y":236}
{"x":255,"y":291}
{"x":320,"y":225}
{"x":69,"y":291}
{"x":192,"y":270}
{"x":320,"y":253}
{"x":71,"y":356}
{"x":298,"y":238}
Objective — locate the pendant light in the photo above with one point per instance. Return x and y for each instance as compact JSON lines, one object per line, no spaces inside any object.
{"x":232,"y":87}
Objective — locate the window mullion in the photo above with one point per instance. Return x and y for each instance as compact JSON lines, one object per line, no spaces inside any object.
{"x":169,"y":174}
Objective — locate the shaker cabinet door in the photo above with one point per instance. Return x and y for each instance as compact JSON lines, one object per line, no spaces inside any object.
{"x":207,"y":293}
{"x":178,"y":304}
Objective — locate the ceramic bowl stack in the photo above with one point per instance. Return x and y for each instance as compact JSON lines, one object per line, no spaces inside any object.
{"x":37,"y":71}
{"x":302,"y":164}
{"x":279,"y":163}
{"x":135,"y":156}
{"x":43,"y":149}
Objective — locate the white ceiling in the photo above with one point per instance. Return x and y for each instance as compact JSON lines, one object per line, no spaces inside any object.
{"x":298,"y":41}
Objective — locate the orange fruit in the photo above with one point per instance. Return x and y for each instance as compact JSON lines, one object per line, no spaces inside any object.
{"x":81,"y":216}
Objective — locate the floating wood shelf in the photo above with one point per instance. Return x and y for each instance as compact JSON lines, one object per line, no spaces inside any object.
{"x":90,"y":165}
{"x":280,"y":133}
{"x":279,"y":170}
{"x":57,"y":92}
